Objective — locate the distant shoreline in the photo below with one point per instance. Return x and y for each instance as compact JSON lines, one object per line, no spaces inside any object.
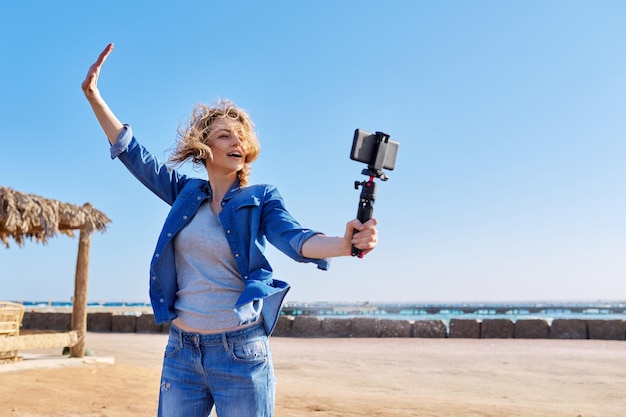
{"x":603,"y":310}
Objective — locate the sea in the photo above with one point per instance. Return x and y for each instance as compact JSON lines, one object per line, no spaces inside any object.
{"x":547,"y":310}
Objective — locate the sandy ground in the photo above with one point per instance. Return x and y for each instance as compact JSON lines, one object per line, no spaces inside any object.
{"x":350,"y":377}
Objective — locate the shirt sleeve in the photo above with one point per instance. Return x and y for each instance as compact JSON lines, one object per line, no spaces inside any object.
{"x":122,"y":141}
{"x":284,"y":232}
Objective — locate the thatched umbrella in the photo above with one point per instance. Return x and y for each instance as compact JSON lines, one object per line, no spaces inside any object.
{"x":27,"y":216}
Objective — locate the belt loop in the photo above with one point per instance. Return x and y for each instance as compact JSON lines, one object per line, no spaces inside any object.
{"x":180,"y":337}
{"x":225,"y":341}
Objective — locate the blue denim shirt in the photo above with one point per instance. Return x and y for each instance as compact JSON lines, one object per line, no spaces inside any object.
{"x":249,"y":216}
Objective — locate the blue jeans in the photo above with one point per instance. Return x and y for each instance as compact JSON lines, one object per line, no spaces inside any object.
{"x":232,"y":371}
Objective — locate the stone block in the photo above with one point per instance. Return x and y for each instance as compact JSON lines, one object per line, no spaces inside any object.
{"x":607,"y":329}
{"x":334,"y":327}
{"x":147,"y":324}
{"x":121,"y":323}
{"x":61,"y":322}
{"x":26,"y":320}
{"x":568,"y":329}
{"x":99,"y":322}
{"x":395,"y":328}
{"x":464,"y":328}
{"x":532,"y":329}
{"x":365,"y":327}
{"x":306,"y":326}
{"x":283,"y":326}
{"x":165,"y":327}
{"x":430,"y":329}
{"x":497,"y":329}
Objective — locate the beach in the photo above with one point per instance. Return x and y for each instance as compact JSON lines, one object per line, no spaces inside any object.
{"x":326,"y":377}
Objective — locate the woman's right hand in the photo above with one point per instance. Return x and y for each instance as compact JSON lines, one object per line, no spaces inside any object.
{"x":90,"y":84}
{"x":108,"y":121}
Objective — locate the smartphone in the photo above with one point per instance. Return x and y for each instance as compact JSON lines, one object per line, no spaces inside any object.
{"x":376,"y":150}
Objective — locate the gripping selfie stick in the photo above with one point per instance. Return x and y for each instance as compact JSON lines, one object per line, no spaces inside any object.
{"x":366,"y":205}
{"x":379,"y":152}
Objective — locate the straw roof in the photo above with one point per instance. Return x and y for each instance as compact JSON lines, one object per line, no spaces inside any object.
{"x":27,"y":216}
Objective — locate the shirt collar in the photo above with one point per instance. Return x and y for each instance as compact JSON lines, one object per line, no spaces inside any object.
{"x":230,"y":194}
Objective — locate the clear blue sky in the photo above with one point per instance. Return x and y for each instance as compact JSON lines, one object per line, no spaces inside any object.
{"x":510,"y":177}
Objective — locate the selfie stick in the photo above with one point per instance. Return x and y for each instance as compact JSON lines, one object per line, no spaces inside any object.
{"x":368,"y":188}
{"x":366,"y":205}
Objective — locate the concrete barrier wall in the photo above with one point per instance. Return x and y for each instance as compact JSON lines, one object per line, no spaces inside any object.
{"x":307,"y":326}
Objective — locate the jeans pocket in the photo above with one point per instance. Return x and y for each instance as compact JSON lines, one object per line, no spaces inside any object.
{"x":250,"y":351}
{"x":172,"y":347}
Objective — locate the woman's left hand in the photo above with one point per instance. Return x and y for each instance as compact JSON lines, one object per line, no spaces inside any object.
{"x":366,"y":236}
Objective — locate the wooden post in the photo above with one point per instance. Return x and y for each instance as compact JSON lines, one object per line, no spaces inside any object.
{"x":79,"y":310}
{"x":39,"y":341}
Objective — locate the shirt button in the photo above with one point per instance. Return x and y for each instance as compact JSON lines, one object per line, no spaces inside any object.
{"x":153,"y":277}
{"x":161,"y":300}
{"x":236,"y":255}
{"x":169,"y":235}
{"x":185,"y":217}
{"x":245,"y":277}
{"x":198,"y":198}
{"x":156,"y":255}
{"x":228,"y":231}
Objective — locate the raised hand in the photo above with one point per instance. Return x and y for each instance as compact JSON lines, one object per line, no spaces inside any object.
{"x":108,"y":121}
{"x":90,"y":84}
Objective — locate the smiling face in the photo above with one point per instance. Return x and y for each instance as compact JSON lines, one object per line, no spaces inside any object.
{"x":229,"y":151}
{"x":221,"y":138}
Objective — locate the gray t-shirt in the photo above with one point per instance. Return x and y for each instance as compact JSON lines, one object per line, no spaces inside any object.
{"x":209,"y":282}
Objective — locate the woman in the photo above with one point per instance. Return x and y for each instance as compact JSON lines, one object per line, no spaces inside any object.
{"x":209,"y":276}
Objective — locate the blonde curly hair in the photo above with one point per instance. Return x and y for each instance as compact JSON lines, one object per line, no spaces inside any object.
{"x":194,"y":137}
